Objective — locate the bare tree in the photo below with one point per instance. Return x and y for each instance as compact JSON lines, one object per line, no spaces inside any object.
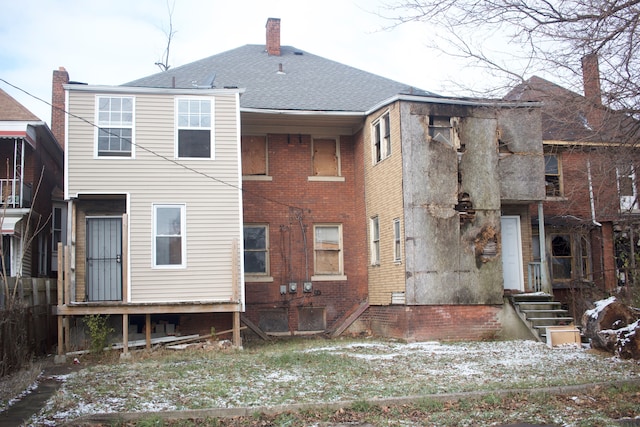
{"x":163,"y":63}
{"x":541,"y":35}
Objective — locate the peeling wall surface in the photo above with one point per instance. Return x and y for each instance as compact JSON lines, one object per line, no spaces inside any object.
{"x":453,"y":189}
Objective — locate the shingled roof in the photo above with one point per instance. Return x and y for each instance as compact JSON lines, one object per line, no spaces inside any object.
{"x":12,"y":110}
{"x":293,"y":80}
{"x":568,"y":116}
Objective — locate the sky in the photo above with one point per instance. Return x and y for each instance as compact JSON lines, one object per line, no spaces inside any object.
{"x":111,"y":42}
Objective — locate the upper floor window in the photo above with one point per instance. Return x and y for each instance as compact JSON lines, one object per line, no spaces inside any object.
{"x":326,"y":157}
{"x":375,"y":241}
{"x":327,"y":245}
{"x":440,"y":129}
{"x":381,"y":138}
{"x":169,"y":247}
{"x":552,"y":175}
{"x":627,"y":188}
{"x":115,"y":126}
{"x":254,"y":155}
{"x":256,"y":250}
{"x":194,"y":128}
{"x":397,"y":241}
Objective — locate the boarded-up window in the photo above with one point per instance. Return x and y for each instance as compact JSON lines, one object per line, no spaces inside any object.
{"x":325,"y":157}
{"x":254,"y":155}
{"x":328,"y":249}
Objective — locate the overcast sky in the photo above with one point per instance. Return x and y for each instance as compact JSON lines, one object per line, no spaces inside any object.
{"x":111,"y":42}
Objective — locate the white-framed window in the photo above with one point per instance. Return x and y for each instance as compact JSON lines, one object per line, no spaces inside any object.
{"x":327,"y":250}
{"x":256,"y":249}
{"x":114,"y":135}
{"x":194,"y":133}
{"x":381,"y":138}
{"x":375,"y":241}
{"x":627,"y":188}
{"x":169,"y":232}
{"x":397,"y":241}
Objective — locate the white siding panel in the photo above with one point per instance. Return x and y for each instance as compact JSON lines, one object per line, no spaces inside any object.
{"x":208,"y":188}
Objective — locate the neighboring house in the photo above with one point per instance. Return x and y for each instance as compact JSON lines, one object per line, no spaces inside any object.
{"x":591,"y":207}
{"x":152,"y":182}
{"x":362,"y":194}
{"x":30,"y":176}
{"x":362,"y":197}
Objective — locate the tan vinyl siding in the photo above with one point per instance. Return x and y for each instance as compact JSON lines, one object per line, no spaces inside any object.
{"x":211,"y":195}
{"x":384,"y":200}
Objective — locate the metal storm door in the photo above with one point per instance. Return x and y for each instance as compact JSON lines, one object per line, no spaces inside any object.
{"x":104,"y":259}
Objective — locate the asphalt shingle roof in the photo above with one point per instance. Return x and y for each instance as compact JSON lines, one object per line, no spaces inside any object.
{"x":12,"y":110}
{"x":295,"y":80}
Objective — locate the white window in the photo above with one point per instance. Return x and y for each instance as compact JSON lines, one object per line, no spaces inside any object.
{"x":375,"y":241}
{"x":256,"y":249}
{"x":115,"y":126}
{"x":169,"y":248}
{"x":194,"y":132}
{"x":397,"y":246}
{"x":381,"y":138}
{"x":627,"y":188}
{"x":327,"y":245}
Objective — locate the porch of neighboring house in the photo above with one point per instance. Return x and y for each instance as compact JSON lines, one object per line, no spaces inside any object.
{"x":93,"y":280}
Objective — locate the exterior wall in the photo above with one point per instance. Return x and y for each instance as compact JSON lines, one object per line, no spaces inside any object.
{"x":446,"y":262}
{"x":291,"y":204}
{"x":211,"y":195}
{"x":384,"y":200}
{"x":436,"y":322}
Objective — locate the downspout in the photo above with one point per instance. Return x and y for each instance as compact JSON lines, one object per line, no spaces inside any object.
{"x":544,"y":276}
{"x":591,"y":198}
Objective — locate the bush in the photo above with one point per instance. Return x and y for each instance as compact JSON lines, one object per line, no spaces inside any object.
{"x":99,"y":331}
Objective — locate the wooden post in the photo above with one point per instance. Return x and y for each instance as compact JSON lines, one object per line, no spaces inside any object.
{"x":67,"y":334}
{"x":147,"y":329}
{"x":60,"y":295}
{"x":67,"y":285}
{"x":237,"y":341}
{"x":60,"y":336}
{"x":125,"y":335}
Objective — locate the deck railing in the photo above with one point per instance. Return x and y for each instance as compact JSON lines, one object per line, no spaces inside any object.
{"x":535,"y":276}
{"x":14,"y":194}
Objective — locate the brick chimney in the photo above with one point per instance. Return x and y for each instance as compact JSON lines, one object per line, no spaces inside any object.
{"x":60,"y":78}
{"x":592,"y":92}
{"x":273,"y":36}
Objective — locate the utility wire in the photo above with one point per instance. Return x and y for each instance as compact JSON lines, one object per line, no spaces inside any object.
{"x":148,"y":150}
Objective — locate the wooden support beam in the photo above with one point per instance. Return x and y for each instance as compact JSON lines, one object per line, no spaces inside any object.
{"x":67,"y":334}
{"x":125,"y":334}
{"x":147,"y":330}
{"x":237,"y":341}
{"x":60,"y":335}
{"x":255,"y":328}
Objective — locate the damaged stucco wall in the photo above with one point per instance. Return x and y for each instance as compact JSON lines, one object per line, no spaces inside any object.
{"x":452,"y":199}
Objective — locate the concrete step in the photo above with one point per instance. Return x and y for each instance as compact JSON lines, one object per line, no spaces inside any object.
{"x":550,"y":321}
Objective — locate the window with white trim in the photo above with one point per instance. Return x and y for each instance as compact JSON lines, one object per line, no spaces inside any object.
{"x":381,"y":138}
{"x":375,"y":241}
{"x":327,"y":248}
{"x":194,"y":128}
{"x":397,"y":246}
{"x":256,"y":249}
{"x":169,"y":248}
{"x":115,"y":126}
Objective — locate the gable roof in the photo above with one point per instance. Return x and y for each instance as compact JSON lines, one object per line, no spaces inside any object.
{"x":12,"y":110}
{"x":293,"y":80}
{"x":568,"y":116}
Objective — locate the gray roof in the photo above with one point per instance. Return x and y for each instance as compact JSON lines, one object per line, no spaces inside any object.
{"x":295,"y":80}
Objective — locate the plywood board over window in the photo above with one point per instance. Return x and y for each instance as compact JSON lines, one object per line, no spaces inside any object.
{"x":325,"y":157}
{"x":254,"y":155}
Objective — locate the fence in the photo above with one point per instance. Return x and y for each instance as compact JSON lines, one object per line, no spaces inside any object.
{"x":30,"y":328}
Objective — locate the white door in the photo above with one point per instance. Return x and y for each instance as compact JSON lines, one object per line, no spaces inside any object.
{"x":512,"y":253}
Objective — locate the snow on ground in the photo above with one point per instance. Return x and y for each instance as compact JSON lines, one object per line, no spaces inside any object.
{"x":317,"y":371}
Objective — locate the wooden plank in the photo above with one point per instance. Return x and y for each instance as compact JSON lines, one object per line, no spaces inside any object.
{"x":255,"y":328}
{"x":147,"y":330}
{"x":349,"y":320}
{"x":67,"y":287}
{"x":237,"y":341}
{"x":83,"y":309}
{"x":125,"y":333}
{"x":60,"y":335}
{"x":60,"y":287}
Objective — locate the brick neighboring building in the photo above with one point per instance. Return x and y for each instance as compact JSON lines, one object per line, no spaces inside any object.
{"x":591,"y":209}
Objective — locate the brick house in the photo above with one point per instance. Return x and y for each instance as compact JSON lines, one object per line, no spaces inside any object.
{"x":591,"y":206}
{"x":365,"y":198}
{"x":31,"y":171}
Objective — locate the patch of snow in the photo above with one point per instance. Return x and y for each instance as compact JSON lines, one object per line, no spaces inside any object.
{"x":600,"y":305}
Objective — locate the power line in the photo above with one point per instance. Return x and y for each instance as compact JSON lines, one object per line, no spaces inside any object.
{"x":148,"y":150}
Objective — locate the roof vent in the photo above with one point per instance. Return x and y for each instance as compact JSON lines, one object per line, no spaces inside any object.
{"x":299,"y":53}
{"x":280,"y":70}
